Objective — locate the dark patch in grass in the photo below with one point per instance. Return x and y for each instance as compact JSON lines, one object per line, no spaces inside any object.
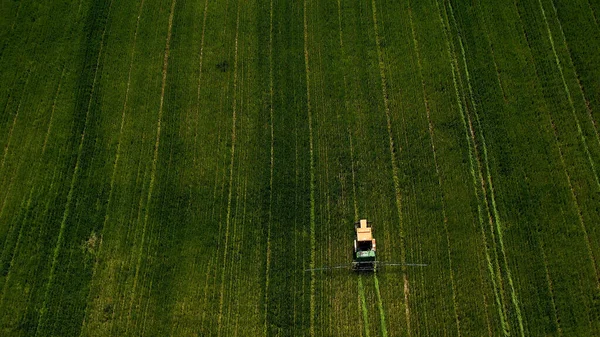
{"x":223,"y":66}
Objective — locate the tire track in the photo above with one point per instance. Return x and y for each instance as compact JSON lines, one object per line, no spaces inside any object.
{"x":312,"y":178}
{"x":154,"y":159}
{"x":569,"y":97}
{"x":494,"y":276}
{"x":437,"y":170}
{"x":398,"y":196}
{"x":232,"y":157}
{"x":363,"y":305}
{"x":74,"y":178}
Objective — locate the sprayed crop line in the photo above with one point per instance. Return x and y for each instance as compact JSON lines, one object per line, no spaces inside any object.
{"x":115,"y":164}
{"x":63,"y":224}
{"x":384,"y":332}
{"x":489,"y":181}
{"x":201,"y":59}
{"x":437,"y":170}
{"x":570,"y":99}
{"x":271,"y":165}
{"x":398,"y":196}
{"x":498,"y":223}
{"x":52,"y":110}
{"x":585,"y":101}
{"x":549,"y":281}
{"x":312,"y":178}
{"x":14,"y":121}
{"x":485,"y":301}
{"x":576,"y":203}
{"x":154,"y":158}
{"x":493,"y":276}
{"x":16,"y":248}
{"x":238,"y":277}
{"x":130,"y":219}
{"x":201,"y":52}
{"x":235,"y":223}
{"x":232,"y":157}
{"x":489,"y":41}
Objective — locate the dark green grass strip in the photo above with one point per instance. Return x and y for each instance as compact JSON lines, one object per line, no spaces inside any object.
{"x":155,"y":155}
{"x":490,"y":265}
{"x":104,"y":228}
{"x":74,"y":179}
{"x":431,"y":136}
{"x":559,"y":66}
{"x":499,"y":229}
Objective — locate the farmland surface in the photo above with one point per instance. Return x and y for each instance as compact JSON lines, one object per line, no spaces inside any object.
{"x":171,"y":167}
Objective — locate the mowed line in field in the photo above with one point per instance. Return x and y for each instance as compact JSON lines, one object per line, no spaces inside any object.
{"x":398,"y":196}
{"x":437,"y":169}
{"x":494,"y":277}
{"x":154,"y":159}
{"x":74,"y":178}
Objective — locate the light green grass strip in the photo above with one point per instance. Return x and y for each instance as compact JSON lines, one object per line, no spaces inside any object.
{"x":568,"y":93}
{"x":312,"y":179}
{"x":231,"y":167}
{"x":363,"y":305}
{"x":498,"y":222}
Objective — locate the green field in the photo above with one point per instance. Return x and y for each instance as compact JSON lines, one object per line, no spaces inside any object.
{"x":171,"y":167}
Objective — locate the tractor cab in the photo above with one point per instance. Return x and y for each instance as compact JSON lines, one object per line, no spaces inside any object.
{"x":364,"y":247}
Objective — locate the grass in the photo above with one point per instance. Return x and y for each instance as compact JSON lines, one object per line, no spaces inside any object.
{"x":172,"y":167}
